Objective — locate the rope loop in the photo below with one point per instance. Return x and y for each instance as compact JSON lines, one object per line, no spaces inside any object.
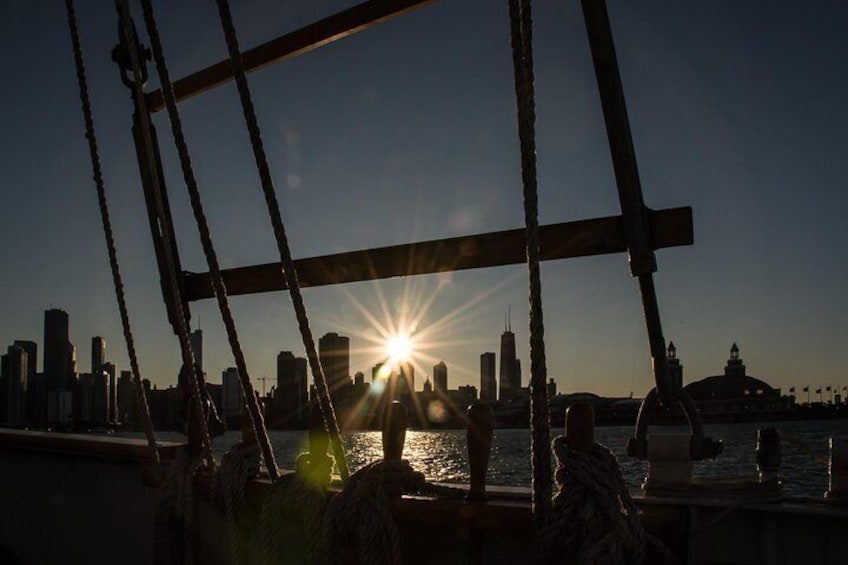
{"x":359,"y":526}
{"x":593,"y":518}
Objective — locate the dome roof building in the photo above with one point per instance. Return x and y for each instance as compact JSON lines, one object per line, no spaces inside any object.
{"x":735,"y":393}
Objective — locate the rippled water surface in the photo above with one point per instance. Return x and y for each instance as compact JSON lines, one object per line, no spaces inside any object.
{"x":441,"y":455}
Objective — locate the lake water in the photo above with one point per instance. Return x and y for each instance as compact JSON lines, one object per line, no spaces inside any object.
{"x":441,"y":455}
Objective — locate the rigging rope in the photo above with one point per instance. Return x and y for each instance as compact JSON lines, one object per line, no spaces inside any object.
{"x":256,"y":418}
{"x":140,"y":396}
{"x":521,"y":27}
{"x":289,"y":271}
{"x":137,"y":84}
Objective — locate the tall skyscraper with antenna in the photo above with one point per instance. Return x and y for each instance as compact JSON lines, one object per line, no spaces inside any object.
{"x":509,"y":375}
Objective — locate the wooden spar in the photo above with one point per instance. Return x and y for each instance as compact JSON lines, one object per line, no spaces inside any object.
{"x":669,"y":228}
{"x":330,"y":29}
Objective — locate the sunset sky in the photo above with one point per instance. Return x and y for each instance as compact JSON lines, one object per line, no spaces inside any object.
{"x":407,"y":132}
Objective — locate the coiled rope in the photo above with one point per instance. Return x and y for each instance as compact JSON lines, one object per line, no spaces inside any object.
{"x":593,"y":517}
{"x":521,"y":27}
{"x":359,"y":527}
{"x":359,"y":521}
{"x":117,"y":280}
{"x":280,"y":236}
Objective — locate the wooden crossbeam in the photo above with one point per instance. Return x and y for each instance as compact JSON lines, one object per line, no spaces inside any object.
{"x":599,"y":236}
{"x":330,"y":29}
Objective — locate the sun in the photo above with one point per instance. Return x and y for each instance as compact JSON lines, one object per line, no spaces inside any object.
{"x":399,"y":348}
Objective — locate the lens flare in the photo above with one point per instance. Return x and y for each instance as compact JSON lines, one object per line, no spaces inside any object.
{"x":399,"y":348}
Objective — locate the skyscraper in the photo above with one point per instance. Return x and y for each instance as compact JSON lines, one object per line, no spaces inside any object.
{"x":440,"y":377}
{"x":405,"y":378}
{"x":488,"y":386}
{"x":111,"y":390}
{"x":334,"y":353}
{"x":195,"y":339}
{"x":58,"y":351}
{"x":510,"y":379}
{"x":290,"y":400}
{"x":13,"y":369}
{"x":36,"y":393}
{"x":231,"y":398}
{"x":98,"y":354}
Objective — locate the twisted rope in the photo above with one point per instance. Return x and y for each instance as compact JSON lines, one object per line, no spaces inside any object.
{"x":280,"y":235}
{"x":129,"y":37}
{"x":238,"y":465}
{"x":359,"y":526}
{"x":176,"y":539}
{"x":593,"y":517}
{"x":521,"y":27}
{"x":256,"y":418}
{"x":117,"y":280}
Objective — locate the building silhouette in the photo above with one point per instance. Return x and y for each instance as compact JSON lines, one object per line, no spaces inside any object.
{"x":58,"y":351}
{"x":195,"y":340}
{"x":488,"y":385}
{"x":126,"y":399}
{"x":13,"y":383}
{"x":440,"y":377}
{"x":33,"y":380}
{"x":334,"y":353}
{"x":231,"y":398}
{"x":510,"y":370}
{"x":291,"y":406}
{"x":98,"y":353}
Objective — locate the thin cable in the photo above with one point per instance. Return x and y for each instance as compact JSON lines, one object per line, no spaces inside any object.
{"x":256,"y":418}
{"x":280,"y":234}
{"x":522,"y":52}
{"x":140,"y":396}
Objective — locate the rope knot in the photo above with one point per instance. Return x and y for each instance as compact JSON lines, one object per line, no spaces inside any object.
{"x":593,"y":516}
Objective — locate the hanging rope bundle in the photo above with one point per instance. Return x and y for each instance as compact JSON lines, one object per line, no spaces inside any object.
{"x":521,"y":26}
{"x":593,"y":518}
{"x":117,"y":280}
{"x":286,"y":259}
{"x":238,"y":465}
{"x":176,"y":538}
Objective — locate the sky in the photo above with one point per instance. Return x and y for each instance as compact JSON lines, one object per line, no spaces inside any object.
{"x":407,"y":132}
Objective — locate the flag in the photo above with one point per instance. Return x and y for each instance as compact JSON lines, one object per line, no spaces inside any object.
{"x":818,"y":391}
{"x":806,"y":389}
{"x":792,"y":389}
{"x":827,"y":389}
